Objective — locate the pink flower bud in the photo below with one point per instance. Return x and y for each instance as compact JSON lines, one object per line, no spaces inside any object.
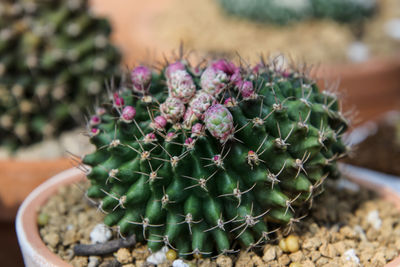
{"x":141,"y":78}
{"x":160,"y":121}
{"x":128,"y":113}
{"x":95,"y":120}
{"x":173,"y":67}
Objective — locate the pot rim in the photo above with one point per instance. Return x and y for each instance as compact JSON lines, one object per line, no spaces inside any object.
{"x":29,"y":240}
{"x":34,"y":249}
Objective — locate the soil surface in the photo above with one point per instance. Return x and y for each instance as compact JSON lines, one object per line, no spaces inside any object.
{"x":346,"y":226}
{"x":204,"y":26}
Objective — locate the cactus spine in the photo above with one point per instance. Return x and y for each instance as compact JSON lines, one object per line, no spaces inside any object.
{"x":258,"y":146}
{"x":53,"y":56}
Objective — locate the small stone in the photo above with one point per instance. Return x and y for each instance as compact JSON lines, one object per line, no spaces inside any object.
{"x":171,"y":255}
{"x":224,"y":261}
{"x":94,"y":261}
{"x":340,"y":247}
{"x":347,"y":232}
{"x":283,"y":246}
{"x":129,"y":265}
{"x":52,"y":239}
{"x":307,"y":263}
{"x":124,"y":256}
{"x":297,"y":256}
{"x":295,"y":264}
{"x":243,"y":260}
{"x":350,"y":255}
{"x":379,"y":258}
{"x":312,"y":243}
{"x":292,"y":243}
{"x":257,"y":261}
{"x":158,"y":257}
{"x":321,"y":261}
{"x":140,"y":263}
{"x":100,"y":234}
{"x":374,"y":220}
{"x":206,"y":263}
{"x":315,"y":255}
{"x":269,"y":254}
{"x":79,"y":261}
{"x":284,"y":260}
{"x":110,"y":263}
{"x":390,"y":254}
{"x":179,"y":263}
{"x":70,"y":237}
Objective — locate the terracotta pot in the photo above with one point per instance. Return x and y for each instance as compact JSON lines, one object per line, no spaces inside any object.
{"x":371,"y":88}
{"x":19,"y":177}
{"x":36,"y":254}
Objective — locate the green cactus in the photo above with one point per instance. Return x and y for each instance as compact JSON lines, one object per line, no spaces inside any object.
{"x":228,"y":154}
{"x":271,"y":11}
{"x":283,"y":12}
{"x":344,"y":10}
{"x":53,"y":56}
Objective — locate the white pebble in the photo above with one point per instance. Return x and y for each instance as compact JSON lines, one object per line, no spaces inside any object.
{"x":93,"y":261}
{"x":350,"y":255}
{"x":179,"y":263}
{"x":358,"y":52}
{"x":100,"y":234}
{"x":392,"y":28}
{"x":374,"y":220}
{"x":158,"y":257}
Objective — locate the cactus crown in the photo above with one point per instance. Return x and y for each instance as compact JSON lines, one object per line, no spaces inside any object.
{"x":282,"y":12}
{"x":206,"y":156}
{"x":53,"y":56}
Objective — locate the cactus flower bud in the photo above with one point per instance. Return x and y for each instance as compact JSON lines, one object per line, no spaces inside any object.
{"x":174,"y":67}
{"x":128,"y":113}
{"x":181,"y":85}
{"x":95,"y":120}
{"x":201,"y":102}
{"x":172,"y":109}
{"x":219,"y":122}
{"x":141,"y":78}
{"x":159,"y":122}
{"x":213,"y":81}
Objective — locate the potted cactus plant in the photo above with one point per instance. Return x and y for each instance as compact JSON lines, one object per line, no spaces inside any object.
{"x":53,"y":57}
{"x":203,"y":159}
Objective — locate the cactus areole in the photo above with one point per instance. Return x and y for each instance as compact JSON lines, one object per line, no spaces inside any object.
{"x":249,"y":160}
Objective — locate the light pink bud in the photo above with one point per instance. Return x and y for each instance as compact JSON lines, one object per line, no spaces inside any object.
{"x":128,"y":113}
{"x":141,"y":78}
{"x":174,"y":67}
{"x":160,"y":121}
{"x":95,"y":120}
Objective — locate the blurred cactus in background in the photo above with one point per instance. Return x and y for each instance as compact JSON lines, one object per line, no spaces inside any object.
{"x":53,"y":55}
{"x":286,"y":11}
{"x":270,"y":11}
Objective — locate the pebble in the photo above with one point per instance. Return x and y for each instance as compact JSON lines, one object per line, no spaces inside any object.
{"x":374,"y":220}
{"x":100,"y":234}
{"x":179,"y":263}
{"x":224,"y":261}
{"x":124,"y":256}
{"x":94,"y":261}
{"x":269,"y":254}
{"x":52,"y":239}
{"x":350,"y":255}
{"x":158,"y":257}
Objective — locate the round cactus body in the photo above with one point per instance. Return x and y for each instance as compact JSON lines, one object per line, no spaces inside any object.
{"x":54,"y":56}
{"x":252,"y":160}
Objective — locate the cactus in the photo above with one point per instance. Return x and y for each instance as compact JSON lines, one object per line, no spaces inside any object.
{"x":283,"y":12}
{"x":279,"y":12}
{"x":254,"y":152}
{"x":53,"y":56}
{"x":345,"y":10}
